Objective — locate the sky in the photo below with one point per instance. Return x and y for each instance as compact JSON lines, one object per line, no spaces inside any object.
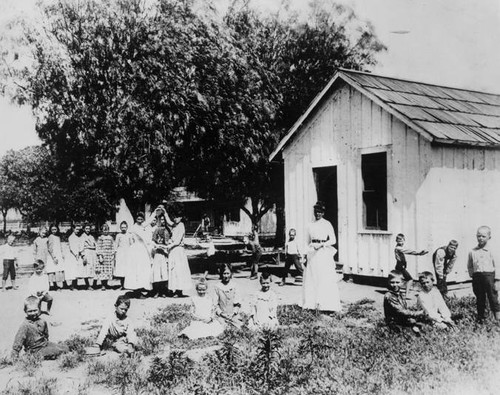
{"x":446,"y":42}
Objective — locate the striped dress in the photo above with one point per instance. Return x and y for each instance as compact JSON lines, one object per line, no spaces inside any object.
{"x":105,"y":250}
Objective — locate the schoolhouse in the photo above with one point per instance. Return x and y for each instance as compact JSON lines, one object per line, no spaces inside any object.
{"x":391,"y":156}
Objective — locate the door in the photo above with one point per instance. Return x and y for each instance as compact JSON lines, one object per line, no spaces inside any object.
{"x":325,"y":179}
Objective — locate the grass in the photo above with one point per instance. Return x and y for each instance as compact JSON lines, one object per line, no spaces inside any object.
{"x":311,"y":354}
{"x":38,"y":386}
{"x":29,"y":363}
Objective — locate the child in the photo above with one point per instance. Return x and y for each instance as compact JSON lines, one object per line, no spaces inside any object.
{"x":123,"y":241}
{"x":264,"y":311}
{"x":33,"y":334}
{"x":161,"y":236}
{"x":89,"y":255}
{"x":443,"y":259}
{"x":396,"y":312}
{"x":73,"y":257}
{"x":293,"y":256}
{"x":38,"y":285}
{"x":400,"y":252}
{"x":8,"y":255}
{"x":253,"y":243}
{"x":203,"y":322}
{"x":55,"y":261}
{"x":105,"y":251}
{"x":432,"y":303}
{"x":41,"y":249}
{"x":227,"y":300}
{"x":118,"y":330}
{"x":481,"y":266}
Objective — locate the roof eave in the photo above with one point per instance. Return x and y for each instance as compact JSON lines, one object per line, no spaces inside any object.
{"x":464,"y":143}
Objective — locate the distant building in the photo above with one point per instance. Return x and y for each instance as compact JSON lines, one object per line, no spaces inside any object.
{"x":390,"y":156}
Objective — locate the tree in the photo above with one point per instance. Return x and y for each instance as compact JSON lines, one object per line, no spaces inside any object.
{"x":280,"y":64}
{"x":133,"y":100}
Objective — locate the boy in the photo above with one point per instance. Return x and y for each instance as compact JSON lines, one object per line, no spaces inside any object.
{"x":8,"y":255}
{"x":118,"y":329}
{"x":400,"y":252}
{"x":481,"y":266}
{"x":253,"y":243}
{"x":396,"y":311}
{"x":443,"y":259}
{"x":292,"y":257}
{"x":38,"y":285}
{"x":432,"y":303}
{"x":34,"y":334}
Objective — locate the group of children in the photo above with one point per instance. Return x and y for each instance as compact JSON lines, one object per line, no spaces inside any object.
{"x":210,"y":315}
{"x":431,"y":305}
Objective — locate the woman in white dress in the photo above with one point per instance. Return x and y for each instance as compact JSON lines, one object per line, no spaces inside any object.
{"x":138,"y":271}
{"x":74,"y":255}
{"x":320,"y":289}
{"x":123,"y":241}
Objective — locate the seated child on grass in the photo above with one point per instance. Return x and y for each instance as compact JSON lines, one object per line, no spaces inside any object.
{"x":396,"y":312}
{"x":33,"y":334}
{"x":264,"y":310}
{"x":432,"y":303}
{"x":227,"y":299}
{"x":38,"y":285}
{"x":203,"y":322}
{"x":117,"y":330}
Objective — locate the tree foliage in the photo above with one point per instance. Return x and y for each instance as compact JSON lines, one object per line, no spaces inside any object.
{"x":134,"y":98}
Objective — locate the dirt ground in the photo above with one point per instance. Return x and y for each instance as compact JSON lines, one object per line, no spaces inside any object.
{"x":80,"y":312}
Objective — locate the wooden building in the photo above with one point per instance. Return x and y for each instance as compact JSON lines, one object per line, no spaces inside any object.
{"x":391,"y":156}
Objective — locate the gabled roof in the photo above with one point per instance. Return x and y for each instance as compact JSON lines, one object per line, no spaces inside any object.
{"x":441,"y":114}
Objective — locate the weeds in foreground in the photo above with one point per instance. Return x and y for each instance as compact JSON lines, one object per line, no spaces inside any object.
{"x":124,"y":375}
{"x":76,"y":354}
{"x":29,"y":363}
{"x":5,"y":360}
{"x":311,"y":355}
{"x":39,"y":386}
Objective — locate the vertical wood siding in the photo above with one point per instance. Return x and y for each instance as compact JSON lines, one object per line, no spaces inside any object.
{"x":429,"y":199}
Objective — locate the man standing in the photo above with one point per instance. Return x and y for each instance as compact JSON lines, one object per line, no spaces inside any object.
{"x":444,"y":258}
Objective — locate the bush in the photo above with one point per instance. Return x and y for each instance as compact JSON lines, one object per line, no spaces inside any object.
{"x":29,"y":363}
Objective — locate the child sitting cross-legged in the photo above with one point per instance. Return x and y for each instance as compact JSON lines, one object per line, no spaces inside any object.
{"x":33,"y":334}
{"x":396,"y":312}
{"x":203,"y":322}
{"x":38,"y":285}
{"x":432,"y":303}
{"x":118,"y":331}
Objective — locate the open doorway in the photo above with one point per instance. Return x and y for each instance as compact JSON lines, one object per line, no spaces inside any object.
{"x":325,"y":179}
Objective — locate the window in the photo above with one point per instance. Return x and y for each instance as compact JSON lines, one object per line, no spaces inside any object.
{"x":374,"y":175}
{"x":233,"y":214}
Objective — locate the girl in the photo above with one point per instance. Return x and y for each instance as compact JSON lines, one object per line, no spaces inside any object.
{"x":264,"y":310}
{"x":227,"y":300}
{"x":40,"y":245}
{"x":138,"y":276}
{"x":203,"y":322}
{"x":123,"y":242}
{"x":161,"y":236}
{"x":118,"y":330}
{"x":74,"y":257}
{"x":89,"y":255}
{"x":105,"y":257}
{"x":55,"y":261}
{"x":179,"y":276}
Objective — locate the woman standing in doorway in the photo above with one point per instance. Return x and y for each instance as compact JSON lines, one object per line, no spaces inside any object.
{"x":320,"y":289}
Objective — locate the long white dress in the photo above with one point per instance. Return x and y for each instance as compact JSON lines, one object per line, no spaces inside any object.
{"x":179,"y":274}
{"x":55,"y":260}
{"x":203,"y":323}
{"x":138,"y":272}
{"x":123,"y":242}
{"x":320,"y":289}
{"x":73,"y":257}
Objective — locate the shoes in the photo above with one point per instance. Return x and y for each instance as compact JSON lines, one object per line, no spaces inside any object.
{"x":253,"y":277}
{"x":281,"y":284}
